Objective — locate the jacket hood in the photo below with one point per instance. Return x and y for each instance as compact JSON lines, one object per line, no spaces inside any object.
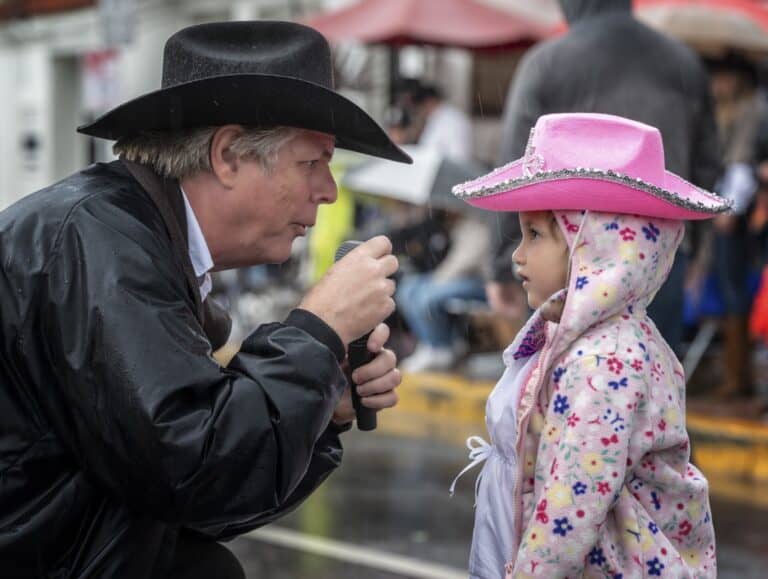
{"x":576,"y":10}
{"x":617,"y":264}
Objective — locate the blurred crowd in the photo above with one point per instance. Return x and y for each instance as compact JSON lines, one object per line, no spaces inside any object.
{"x":457,"y":296}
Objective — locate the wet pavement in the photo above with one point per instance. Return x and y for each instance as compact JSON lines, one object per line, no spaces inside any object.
{"x":389,"y":500}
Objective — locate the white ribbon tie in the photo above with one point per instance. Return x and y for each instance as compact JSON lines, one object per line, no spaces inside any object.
{"x":479,"y":451}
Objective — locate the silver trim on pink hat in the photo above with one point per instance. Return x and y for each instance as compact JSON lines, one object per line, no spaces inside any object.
{"x":720,"y":204}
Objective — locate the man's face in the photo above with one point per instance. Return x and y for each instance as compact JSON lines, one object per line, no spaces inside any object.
{"x":265,"y":211}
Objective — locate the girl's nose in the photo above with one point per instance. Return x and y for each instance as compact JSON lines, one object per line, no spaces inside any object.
{"x":518,"y":256}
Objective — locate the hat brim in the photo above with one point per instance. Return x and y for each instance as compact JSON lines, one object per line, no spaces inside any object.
{"x":249,"y":99}
{"x":509,"y":189}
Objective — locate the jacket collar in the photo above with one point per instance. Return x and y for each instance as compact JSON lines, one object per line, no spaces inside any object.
{"x":167,"y":196}
{"x":199,"y":253}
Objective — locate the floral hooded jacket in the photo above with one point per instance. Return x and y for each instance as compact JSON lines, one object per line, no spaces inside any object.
{"x":604,"y":479}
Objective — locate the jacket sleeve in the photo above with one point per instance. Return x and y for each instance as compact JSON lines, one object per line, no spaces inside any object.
{"x":325,"y":458}
{"x":587,"y":432}
{"x":147,"y":412}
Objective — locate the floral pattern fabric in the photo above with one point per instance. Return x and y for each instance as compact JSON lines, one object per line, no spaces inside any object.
{"x":607,"y":489}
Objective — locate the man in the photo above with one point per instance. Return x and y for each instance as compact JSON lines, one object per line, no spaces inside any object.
{"x":608,"y":62}
{"x":127,"y":451}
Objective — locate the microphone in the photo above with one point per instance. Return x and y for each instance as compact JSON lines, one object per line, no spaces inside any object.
{"x":359,"y":355}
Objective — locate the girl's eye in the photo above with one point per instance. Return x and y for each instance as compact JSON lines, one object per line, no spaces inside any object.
{"x":533,"y":233}
{"x":311,"y":164}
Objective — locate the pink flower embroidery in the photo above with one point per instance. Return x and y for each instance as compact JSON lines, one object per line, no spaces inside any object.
{"x":628,"y":234}
{"x":612,"y":440}
{"x":615,"y":365}
{"x":648,"y":464}
{"x":541,"y":514}
{"x":569,"y":226}
{"x":508,"y":571}
{"x":603,"y":488}
{"x":573,"y":419}
{"x":637,"y":365}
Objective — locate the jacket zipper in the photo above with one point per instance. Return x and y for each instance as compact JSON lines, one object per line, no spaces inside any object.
{"x":522,"y":429}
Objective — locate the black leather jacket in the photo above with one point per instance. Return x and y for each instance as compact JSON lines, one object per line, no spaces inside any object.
{"x":117,"y":427}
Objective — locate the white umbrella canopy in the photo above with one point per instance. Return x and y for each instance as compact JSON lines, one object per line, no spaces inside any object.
{"x":409,"y":183}
{"x":428,"y":181}
{"x":713,"y":27}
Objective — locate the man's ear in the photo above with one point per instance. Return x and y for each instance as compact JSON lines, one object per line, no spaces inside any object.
{"x":224,"y":162}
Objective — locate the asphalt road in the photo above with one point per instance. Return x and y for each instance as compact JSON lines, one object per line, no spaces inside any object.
{"x":386,"y":514}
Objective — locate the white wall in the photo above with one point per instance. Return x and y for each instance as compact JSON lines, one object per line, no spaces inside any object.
{"x":141,"y":62}
{"x":39,"y":91}
{"x":8,"y":147}
{"x":68,"y":149}
{"x":30,"y":106}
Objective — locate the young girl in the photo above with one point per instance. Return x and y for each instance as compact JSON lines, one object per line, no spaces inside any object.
{"x":588,"y":473}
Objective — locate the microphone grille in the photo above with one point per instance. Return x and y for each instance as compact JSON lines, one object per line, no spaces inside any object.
{"x":345,"y":248}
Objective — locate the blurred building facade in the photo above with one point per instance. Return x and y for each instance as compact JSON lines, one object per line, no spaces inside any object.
{"x":64,"y":62}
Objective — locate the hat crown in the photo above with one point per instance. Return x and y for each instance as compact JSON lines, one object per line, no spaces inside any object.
{"x":247,"y":47}
{"x":594,"y":141}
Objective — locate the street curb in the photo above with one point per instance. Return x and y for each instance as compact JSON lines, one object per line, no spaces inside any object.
{"x":725,"y":448}
{"x":732,"y":452}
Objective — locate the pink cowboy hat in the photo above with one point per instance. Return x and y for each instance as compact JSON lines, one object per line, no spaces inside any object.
{"x":596,"y":162}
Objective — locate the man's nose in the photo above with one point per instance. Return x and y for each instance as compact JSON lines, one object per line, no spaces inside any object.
{"x":324,"y":189}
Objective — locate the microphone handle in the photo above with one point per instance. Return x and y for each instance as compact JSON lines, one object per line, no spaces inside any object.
{"x":359,"y":355}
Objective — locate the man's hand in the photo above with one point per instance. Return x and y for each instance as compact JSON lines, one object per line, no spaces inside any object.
{"x":375,"y":382}
{"x":355,"y":294}
{"x":507,"y":299}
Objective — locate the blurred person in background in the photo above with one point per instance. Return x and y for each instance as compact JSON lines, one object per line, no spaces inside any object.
{"x":423,"y":298}
{"x":739,"y":110}
{"x":609,"y":62}
{"x":127,"y":450}
{"x":398,"y":124}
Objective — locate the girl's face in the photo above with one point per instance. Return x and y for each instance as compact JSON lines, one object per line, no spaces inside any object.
{"x":541,"y":259}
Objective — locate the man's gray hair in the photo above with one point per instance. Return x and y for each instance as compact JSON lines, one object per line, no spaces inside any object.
{"x":180,"y":154}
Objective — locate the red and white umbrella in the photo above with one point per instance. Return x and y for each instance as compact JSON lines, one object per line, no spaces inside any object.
{"x":469,"y":24}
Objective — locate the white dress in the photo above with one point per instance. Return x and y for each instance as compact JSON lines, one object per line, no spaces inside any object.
{"x":493,"y":535}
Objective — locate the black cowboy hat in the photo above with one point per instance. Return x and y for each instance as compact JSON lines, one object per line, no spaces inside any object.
{"x":261,"y":73}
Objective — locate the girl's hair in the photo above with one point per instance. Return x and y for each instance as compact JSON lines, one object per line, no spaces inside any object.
{"x":554,"y":228}
{"x":180,"y":154}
